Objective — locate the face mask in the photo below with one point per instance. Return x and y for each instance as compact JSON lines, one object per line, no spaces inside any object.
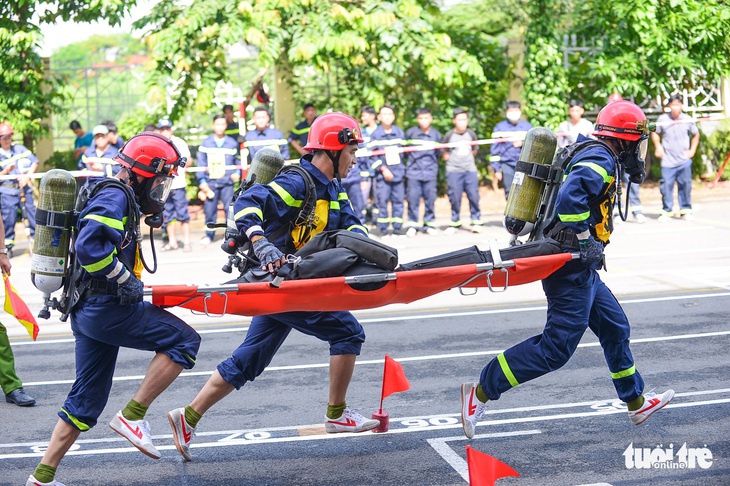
{"x":153,"y":193}
{"x":514,"y":116}
{"x":633,"y":160}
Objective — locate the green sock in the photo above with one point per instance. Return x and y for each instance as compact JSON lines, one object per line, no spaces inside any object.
{"x":44,"y":474}
{"x":335,"y":411}
{"x":134,"y":411}
{"x":481,"y":395}
{"x":636,"y":404}
{"x":192,"y":417}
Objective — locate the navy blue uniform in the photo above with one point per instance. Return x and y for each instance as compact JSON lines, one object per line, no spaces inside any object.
{"x":392,"y":191}
{"x":11,"y":193}
{"x":263,"y":210}
{"x":367,"y":174}
{"x":268,"y":137}
{"x":300,"y":133}
{"x":504,"y":155}
{"x":577,"y":298}
{"x":422,"y":174}
{"x":109,"y":166}
{"x":219,"y":156}
{"x":100,"y":324}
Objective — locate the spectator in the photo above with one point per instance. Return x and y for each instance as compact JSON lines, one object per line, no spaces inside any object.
{"x":151,"y":127}
{"x":421,"y":173}
{"x":461,"y":171}
{"x":82,"y":142}
{"x":504,"y":155}
{"x":676,"y":147}
{"x":114,"y":139}
{"x":176,"y":204}
{"x":300,"y":133}
{"x":232,"y":127}
{"x":265,"y":136}
{"x":100,"y":155}
{"x":569,"y":130}
{"x":219,"y":155}
{"x":369,"y":120}
{"x":389,"y":171}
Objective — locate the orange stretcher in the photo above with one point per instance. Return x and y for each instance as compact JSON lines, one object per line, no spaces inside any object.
{"x":345,"y":293}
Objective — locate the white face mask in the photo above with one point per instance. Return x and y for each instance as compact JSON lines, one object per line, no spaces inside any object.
{"x":514,"y":116}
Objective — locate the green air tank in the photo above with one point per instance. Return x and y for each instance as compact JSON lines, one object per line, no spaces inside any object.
{"x":265,"y":165}
{"x":523,"y":204}
{"x":49,"y":264}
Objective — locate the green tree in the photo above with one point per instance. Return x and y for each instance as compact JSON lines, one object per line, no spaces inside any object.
{"x":641,"y":46}
{"x":27,"y":95}
{"x":379,"y":51}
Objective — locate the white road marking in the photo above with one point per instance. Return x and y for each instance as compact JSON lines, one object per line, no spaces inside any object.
{"x":379,"y":362}
{"x":455,"y":460}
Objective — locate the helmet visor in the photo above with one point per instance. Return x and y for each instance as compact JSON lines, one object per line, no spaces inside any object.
{"x":643,"y":148}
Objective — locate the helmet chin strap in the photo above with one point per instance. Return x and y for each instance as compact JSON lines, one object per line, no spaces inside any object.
{"x":335,"y":161}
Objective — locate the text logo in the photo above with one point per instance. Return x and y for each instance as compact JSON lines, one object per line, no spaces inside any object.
{"x":661,"y":457}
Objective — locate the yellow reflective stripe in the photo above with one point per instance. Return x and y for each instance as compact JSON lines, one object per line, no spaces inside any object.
{"x":360,"y":227}
{"x":300,"y":131}
{"x":95,"y":267}
{"x":596,"y":168}
{"x":232,"y":131}
{"x":258,"y":143}
{"x":213,"y":150}
{"x":79,"y":424}
{"x":285,"y":196}
{"x":190,"y":358}
{"x":574,"y":218}
{"x":495,"y":158}
{"x":250,"y":210}
{"x":624,"y":373}
{"x":111,"y":222}
{"x":334,"y":205}
{"x":342,"y":196}
{"x":506,"y":370}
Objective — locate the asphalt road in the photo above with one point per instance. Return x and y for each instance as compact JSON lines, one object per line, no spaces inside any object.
{"x":565,"y":428}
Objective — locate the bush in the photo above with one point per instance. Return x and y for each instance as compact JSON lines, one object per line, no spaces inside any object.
{"x":62,"y":159}
{"x":714,"y":149}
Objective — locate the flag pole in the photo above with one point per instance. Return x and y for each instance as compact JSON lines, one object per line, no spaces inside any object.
{"x":382,"y":386}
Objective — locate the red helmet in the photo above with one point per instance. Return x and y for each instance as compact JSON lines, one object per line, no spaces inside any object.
{"x":5,"y":129}
{"x":333,"y":131}
{"x":149,"y":154}
{"x":614,"y":97}
{"x":621,"y":119}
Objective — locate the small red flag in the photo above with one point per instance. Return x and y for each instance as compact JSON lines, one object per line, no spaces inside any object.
{"x":15,"y":306}
{"x":484,"y":469}
{"x":394,"y":379}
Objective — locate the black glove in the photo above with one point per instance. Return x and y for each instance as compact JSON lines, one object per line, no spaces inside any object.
{"x":131,"y":291}
{"x":591,"y":252}
{"x":267,"y":253}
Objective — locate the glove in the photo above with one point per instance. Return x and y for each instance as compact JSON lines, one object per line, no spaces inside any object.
{"x":131,"y":291}
{"x":267,"y":253}
{"x":591,"y":252}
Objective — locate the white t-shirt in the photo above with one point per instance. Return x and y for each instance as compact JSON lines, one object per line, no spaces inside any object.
{"x":180,"y":181}
{"x":568,"y":133}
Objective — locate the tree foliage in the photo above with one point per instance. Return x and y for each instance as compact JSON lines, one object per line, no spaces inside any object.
{"x":26,"y":96}
{"x":643,"y":46}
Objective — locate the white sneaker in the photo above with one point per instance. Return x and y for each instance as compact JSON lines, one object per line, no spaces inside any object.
{"x":411,"y":232}
{"x":432,"y":231}
{"x":472,"y":408}
{"x":451,"y":230}
{"x":32,"y":481}
{"x":640,"y":218}
{"x":663,"y":218}
{"x":652,"y":403}
{"x":476,"y":229}
{"x":688,"y":217}
{"x":205,"y":241}
{"x":137,"y":432}
{"x":349,"y":421}
{"x":182,"y":433}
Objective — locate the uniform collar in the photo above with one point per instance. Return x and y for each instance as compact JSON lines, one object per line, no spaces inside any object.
{"x":306,"y":163}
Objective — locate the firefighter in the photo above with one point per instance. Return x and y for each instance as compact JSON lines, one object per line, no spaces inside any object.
{"x":300,"y":133}
{"x":17,"y":161}
{"x":265,"y":136}
{"x":577,"y":298}
{"x":111,"y":312}
{"x":260,"y":213}
{"x":219,"y":154}
{"x":100,"y":155}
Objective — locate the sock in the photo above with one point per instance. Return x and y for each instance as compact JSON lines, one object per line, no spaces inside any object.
{"x":134,"y":411}
{"x":335,"y":411}
{"x":192,"y":417}
{"x":635,"y":404}
{"x":481,"y":395}
{"x":44,"y":474}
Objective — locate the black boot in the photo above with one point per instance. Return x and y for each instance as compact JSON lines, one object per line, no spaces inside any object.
{"x":20,"y":398}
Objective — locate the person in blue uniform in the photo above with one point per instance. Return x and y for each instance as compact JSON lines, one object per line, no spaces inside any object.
{"x":260,"y":213}
{"x":99,"y":157}
{"x":422,"y":173}
{"x":369,"y":121}
{"x":110,"y":312}
{"x":17,"y":161}
{"x":390,"y":172}
{"x":219,"y":155}
{"x":505,"y":155}
{"x":577,"y":298}
{"x":300,"y":133}
{"x":232,"y":127}
{"x":265,"y":136}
